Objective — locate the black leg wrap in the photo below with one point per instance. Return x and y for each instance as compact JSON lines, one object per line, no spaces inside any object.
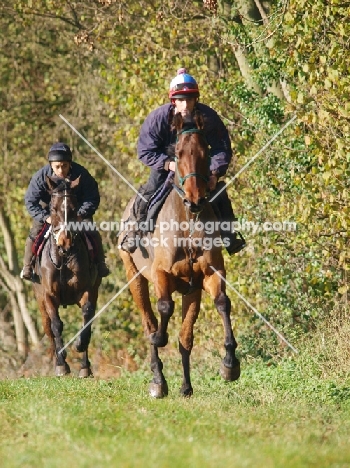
{"x":223,"y":303}
{"x":83,"y":340}
{"x":166,"y":310}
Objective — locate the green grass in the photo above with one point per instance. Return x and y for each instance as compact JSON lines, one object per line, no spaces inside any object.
{"x":282,"y":415}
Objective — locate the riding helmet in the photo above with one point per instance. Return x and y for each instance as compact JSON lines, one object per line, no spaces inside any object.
{"x":59,"y":152}
{"x":183,"y":85}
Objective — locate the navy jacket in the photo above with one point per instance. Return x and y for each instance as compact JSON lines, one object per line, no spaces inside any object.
{"x":156,"y":136}
{"x":87,"y":192}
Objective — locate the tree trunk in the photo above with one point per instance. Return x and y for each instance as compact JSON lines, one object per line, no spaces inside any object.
{"x":253,"y":11}
{"x":245,"y":69}
{"x":7,"y":335}
{"x":14,"y":286}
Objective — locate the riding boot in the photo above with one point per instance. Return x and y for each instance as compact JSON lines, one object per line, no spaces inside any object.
{"x":233,"y":240}
{"x":27,"y":271}
{"x":138,"y":215}
{"x":102,"y":268}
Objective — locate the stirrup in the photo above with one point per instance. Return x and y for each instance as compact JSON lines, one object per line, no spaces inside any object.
{"x":28,"y":276}
{"x":129,"y":242}
{"x":236,"y":244}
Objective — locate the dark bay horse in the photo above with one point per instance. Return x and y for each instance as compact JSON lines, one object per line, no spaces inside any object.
{"x":66,"y":276}
{"x":182,"y":256}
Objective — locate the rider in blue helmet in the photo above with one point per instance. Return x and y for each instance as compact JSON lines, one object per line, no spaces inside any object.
{"x":37,"y":200}
{"x":157,"y":135}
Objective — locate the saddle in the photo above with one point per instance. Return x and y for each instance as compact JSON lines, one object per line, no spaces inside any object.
{"x":157,"y":200}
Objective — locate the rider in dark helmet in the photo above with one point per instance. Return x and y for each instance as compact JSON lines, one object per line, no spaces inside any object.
{"x":37,"y":200}
{"x":156,"y":136}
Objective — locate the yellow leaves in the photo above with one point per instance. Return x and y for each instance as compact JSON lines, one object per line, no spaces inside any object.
{"x":288,"y":17}
{"x":270,"y":44}
{"x":344,"y":111}
{"x":327,"y":83}
{"x":333,"y":74}
{"x":326,"y":175}
{"x":323,"y":117}
{"x":341,"y":29}
{"x":342,"y":257}
{"x":308,"y":140}
{"x":300,"y":98}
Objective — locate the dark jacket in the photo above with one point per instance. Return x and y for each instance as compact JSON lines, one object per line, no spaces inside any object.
{"x":156,"y":136}
{"x":87,"y":192}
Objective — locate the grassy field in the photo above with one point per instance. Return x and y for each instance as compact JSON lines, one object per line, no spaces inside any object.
{"x":279,"y":415}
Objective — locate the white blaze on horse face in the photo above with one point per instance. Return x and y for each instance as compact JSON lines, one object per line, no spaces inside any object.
{"x":57,"y":234}
{"x":65,"y":208}
{"x":62,"y":241}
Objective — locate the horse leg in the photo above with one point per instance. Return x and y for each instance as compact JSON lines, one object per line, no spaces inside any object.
{"x":85,"y":370}
{"x":140,"y":293}
{"x":165,"y":306}
{"x":45,"y":319}
{"x":158,"y":387}
{"x":51,"y":306}
{"x":230,"y":367}
{"x":139,"y":288}
{"x":83,"y":340}
{"x":190,"y":311}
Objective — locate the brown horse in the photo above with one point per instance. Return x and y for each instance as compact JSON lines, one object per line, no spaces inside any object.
{"x":66,"y":276}
{"x":181,"y":256}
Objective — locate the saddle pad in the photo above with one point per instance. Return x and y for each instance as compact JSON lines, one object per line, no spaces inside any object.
{"x":157,"y":200}
{"x":40,"y":239}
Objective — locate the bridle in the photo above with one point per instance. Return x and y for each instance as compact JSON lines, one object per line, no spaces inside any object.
{"x":181,"y":179}
{"x":56,"y":232}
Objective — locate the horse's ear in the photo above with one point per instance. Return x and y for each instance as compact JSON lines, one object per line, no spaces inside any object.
{"x":51,"y":183}
{"x":75,"y":183}
{"x":178,"y":122}
{"x":198,"y":119}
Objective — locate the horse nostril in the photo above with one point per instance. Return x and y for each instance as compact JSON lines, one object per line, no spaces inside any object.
{"x":196,"y":208}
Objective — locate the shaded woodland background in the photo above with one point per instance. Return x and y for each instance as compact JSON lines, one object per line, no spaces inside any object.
{"x":104,"y":65}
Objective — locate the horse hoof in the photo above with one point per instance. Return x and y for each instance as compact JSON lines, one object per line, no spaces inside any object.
{"x":85,"y":373}
{"x":158,"y":340}
{"x":186,"y":392}
{"x":158,"y":390}
{"x":230,"y":373}
{"x":62,"y":370}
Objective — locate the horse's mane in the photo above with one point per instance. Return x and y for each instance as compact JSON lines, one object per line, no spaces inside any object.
{"x":171,"y":151}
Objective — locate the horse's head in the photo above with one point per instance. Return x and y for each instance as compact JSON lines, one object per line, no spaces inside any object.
{"x":192,"y":161}
{"x":63,"y":210}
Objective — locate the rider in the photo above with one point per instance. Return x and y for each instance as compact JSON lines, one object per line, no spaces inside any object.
{"x":156,"y":136}
{"x":37,"y":200}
